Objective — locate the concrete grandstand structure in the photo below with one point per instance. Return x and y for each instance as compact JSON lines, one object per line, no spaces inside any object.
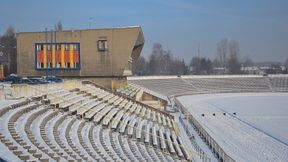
{"x":173,"y":85}
{"x":87,"y":123}
{"x":204,"y":121}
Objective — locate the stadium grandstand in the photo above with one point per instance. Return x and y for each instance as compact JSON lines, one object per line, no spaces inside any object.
{"x":199,"y":115}
{"x":87,"y":123}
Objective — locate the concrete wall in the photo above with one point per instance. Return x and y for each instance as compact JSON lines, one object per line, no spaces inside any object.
{"x":123,"y":44}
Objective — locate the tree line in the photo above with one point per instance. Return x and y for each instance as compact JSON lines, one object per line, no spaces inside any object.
{"x":226,"y":61}
{"x":8,"y":56}
{"x":8,"y":51}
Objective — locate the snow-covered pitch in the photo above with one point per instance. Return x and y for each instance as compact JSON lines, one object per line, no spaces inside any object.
{"x":248,"y":126}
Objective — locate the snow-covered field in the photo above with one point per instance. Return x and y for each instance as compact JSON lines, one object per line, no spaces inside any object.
{"x":258,"y":131}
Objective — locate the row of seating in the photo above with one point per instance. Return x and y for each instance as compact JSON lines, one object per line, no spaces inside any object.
{"x":186,"y":85}
{"x":129,"y":90}
{"x":92,"y":107}
{"x":132,"y":125}
{"x":166,"y":87}
{"x":279,"y":83}
{"x":53,"y":130}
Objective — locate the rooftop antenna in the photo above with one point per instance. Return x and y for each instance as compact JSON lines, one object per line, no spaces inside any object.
{"x":198,"y":52}
{"x":90,"y":21}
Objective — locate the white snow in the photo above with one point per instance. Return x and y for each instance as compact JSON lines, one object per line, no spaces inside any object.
{"x":257,"y":132}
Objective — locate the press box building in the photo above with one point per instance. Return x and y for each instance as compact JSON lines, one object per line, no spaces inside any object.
{"x":103,"y":55}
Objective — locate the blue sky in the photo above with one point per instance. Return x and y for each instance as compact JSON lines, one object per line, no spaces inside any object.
{"x":260,"y":26}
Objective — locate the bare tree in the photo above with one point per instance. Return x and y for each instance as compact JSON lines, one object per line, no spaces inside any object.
{"x":201,"y":65}
{"x":58,"y":26}
{"x":157,"y":52}
{"x":222,"y":51}
{"x":286,"y":63}
{"x":233,"y":63}
{"x":162,"y":62}
{"x":141,"y":66}
{"x":8,"y":45}
{"x":247,"y":62}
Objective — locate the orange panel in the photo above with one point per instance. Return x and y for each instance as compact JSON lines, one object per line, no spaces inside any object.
{"x":44,"y":56}
{"x":53,"y":56}
{"x":62,"y":56}
{"x":71,"y":56}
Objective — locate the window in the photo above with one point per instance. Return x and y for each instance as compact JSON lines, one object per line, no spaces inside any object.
{"x":58,"y":47}
{"x":39,"y":47}
{"x":67,"y":65}
{"x":76,"y":64}
{"x":39,"y":65}
{"x":49,"y":64}
{"x":62,"y":54}
{"x":58,"y":65}
{"x":76,"y":47}
{"x":102,"y":45}
{"x":49,"y":47}
{"x":67,"y":47}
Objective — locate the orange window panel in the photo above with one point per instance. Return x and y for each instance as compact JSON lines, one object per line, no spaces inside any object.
{"x":58,"y":56}
{"x":49,"y":56}
{"x":40,"y":57}
{"x":44,"y":56}
{"x":62,"y":56}
{"x":71,"y":56}
{"x":53,"y":56}
{"x":76,"y":56}
{"x":67,"y":56}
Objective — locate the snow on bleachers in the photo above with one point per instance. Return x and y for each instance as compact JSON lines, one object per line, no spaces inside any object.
{"x":110,"y":115}
{"x":100,"y":114}
{"x":126,"y":118}
{"x":55,"y":132}
{"x":140,"y":124}
{"x":154,"y":135}
{"x":279,"y":83}
{"x":147,"y":133}
{"x":90,"y":109}
{"x":85,"y":108}
{"x":73,"y":108}
{"x":117,"y":119}
{"x":129,"y":90}
{"x":211,"y":84}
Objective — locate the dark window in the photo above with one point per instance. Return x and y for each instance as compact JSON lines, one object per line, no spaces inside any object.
{"x":58,"y":47}
{"x":39,"y":47}
{"x":49,"y":64}
{"x":67,"y":65}
{"x":67,"y":47}
{"x":76,"y":64}
{"x":49,"y":47}
{"x":102,"y":45}
{"x":58,"y":65}
{"x":76,"y":47}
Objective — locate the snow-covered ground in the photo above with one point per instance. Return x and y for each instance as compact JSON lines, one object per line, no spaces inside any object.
{"x":258,"y":131}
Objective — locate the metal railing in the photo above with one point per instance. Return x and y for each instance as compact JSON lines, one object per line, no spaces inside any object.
{"x":212,"y":144}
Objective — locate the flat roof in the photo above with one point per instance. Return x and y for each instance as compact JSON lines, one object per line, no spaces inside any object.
{"x":72,"y":30}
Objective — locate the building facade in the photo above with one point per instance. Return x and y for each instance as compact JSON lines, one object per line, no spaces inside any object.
{"x":92,"y":53}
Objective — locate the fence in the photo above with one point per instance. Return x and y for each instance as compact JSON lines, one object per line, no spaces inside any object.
{"x":212,"y":144}
{"x":201,"y":153}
